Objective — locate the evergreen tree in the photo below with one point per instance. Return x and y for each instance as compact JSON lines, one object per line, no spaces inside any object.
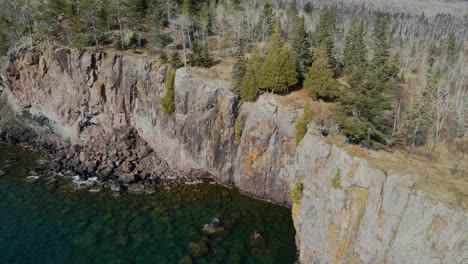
{"x":292,"y":15}
{"x":355,"y":51}
{"x":156,"y":18}
{"x":301,"y":46}
{"x":420,"y":116}
{"x":175,"y":60}
{"x":451,"y":47}
{"x":200,"y":56}
{"x":308,"y":8}
{"x":325,"y":35}
{"x":267,"y":20}
{"x":104,"y":12}
{"x":365,"y":110}
{"x":278,"y":72}
{"x":4,"y":39}
{"x":47,"y":18}
{"x":240,"y":65}
{"x":167,"y":102}
{"x":163,"y":56}
{"x":136,"y":10}
{"x":249,"y":85}
{"x":86,"y":23}
{"x":431,"y":56}
{"x":320,"y":82}
{"x":206,"y":19}
{"x":381,"y":44}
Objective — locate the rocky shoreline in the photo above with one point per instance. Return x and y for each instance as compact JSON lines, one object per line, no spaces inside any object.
{"x":123,"y":162}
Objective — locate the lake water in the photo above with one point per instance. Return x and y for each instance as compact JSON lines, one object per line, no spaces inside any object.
{"x":48,"y":222}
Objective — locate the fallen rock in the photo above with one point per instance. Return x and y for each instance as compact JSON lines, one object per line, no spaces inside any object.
{"x":95,"y":189}
{"x":126,"y":178}
{"x":32,"y":178}
{"x":136,"y":187}
{"x":115,"y":187}
{"x":144,"y":152}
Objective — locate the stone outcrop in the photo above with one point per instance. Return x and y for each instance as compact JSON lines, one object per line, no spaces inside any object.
{"x":372,"y":216}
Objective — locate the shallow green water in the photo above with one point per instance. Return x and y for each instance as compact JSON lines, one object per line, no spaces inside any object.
{"x":42,"y":222}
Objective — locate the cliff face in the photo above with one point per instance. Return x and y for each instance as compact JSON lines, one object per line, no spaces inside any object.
{"x":371,"y":216}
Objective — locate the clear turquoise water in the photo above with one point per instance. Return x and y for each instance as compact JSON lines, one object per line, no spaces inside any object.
{"x":42,"y":222}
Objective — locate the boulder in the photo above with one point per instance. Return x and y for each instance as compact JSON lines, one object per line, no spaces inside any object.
{"x":144,"y":152}
{"x":136,"y":187}
{"x":127,"y":178}
{"x":215,"y":227}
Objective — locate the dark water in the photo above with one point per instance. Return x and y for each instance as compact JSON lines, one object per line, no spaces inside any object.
{"x":44,"y":222}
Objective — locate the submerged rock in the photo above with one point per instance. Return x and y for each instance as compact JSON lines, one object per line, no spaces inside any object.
{"x":215,"y":227}
{"x":32,"y":178}
{"x":2,"y":172}
{"x":198,"y":249}
{"x":136,"y":188}
{"x":257,"y":240}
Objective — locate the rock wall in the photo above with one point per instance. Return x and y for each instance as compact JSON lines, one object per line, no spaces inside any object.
{"x":372,"y":216}
{"x":375,"y":216}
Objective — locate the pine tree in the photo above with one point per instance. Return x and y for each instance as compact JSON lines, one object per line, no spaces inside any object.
{"x":308,"y":8}
{"x":451,"y":47}
{"x":267,"y":20}
{"x":240,"y":65}
{"x":163,"y":56}
{"x":167,"y":102}
{"x":365,"y":111}
{"x":104,"y":11}
{"x":206,"y":19}
{"x":292,"y":15}
{"x":420,"y":116}
{"x":4,"y":39}
{"x":175,"y":60}
{"x":136,"y":10}
{"x":155,"y":19}
{"x":278,"y":72}
{"x":320,"y":82}
{"x":355,"y":51}
{"x":249,"y":86}
{"x":47,"y":18}
{"x":86,"y":24}
{"x":301,"y":46}
{"x":381,"y":44}
{"x":325,"y":35}
{"x":200,"y":56}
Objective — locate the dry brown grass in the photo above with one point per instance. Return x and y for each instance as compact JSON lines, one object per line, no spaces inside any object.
{"x":442,"y":173}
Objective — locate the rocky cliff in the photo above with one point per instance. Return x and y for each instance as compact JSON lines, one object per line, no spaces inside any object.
{"x":351,"y":211}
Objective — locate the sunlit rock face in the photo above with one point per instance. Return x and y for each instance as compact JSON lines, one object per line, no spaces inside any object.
{"x":371,"y":216}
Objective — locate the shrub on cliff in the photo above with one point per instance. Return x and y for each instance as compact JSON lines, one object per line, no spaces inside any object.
{"x":336,"y":180}
{"x":167,"y":102}
{"x":239,"y":128}
{"x":295,"y":194}
{"x":301,"y":125}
